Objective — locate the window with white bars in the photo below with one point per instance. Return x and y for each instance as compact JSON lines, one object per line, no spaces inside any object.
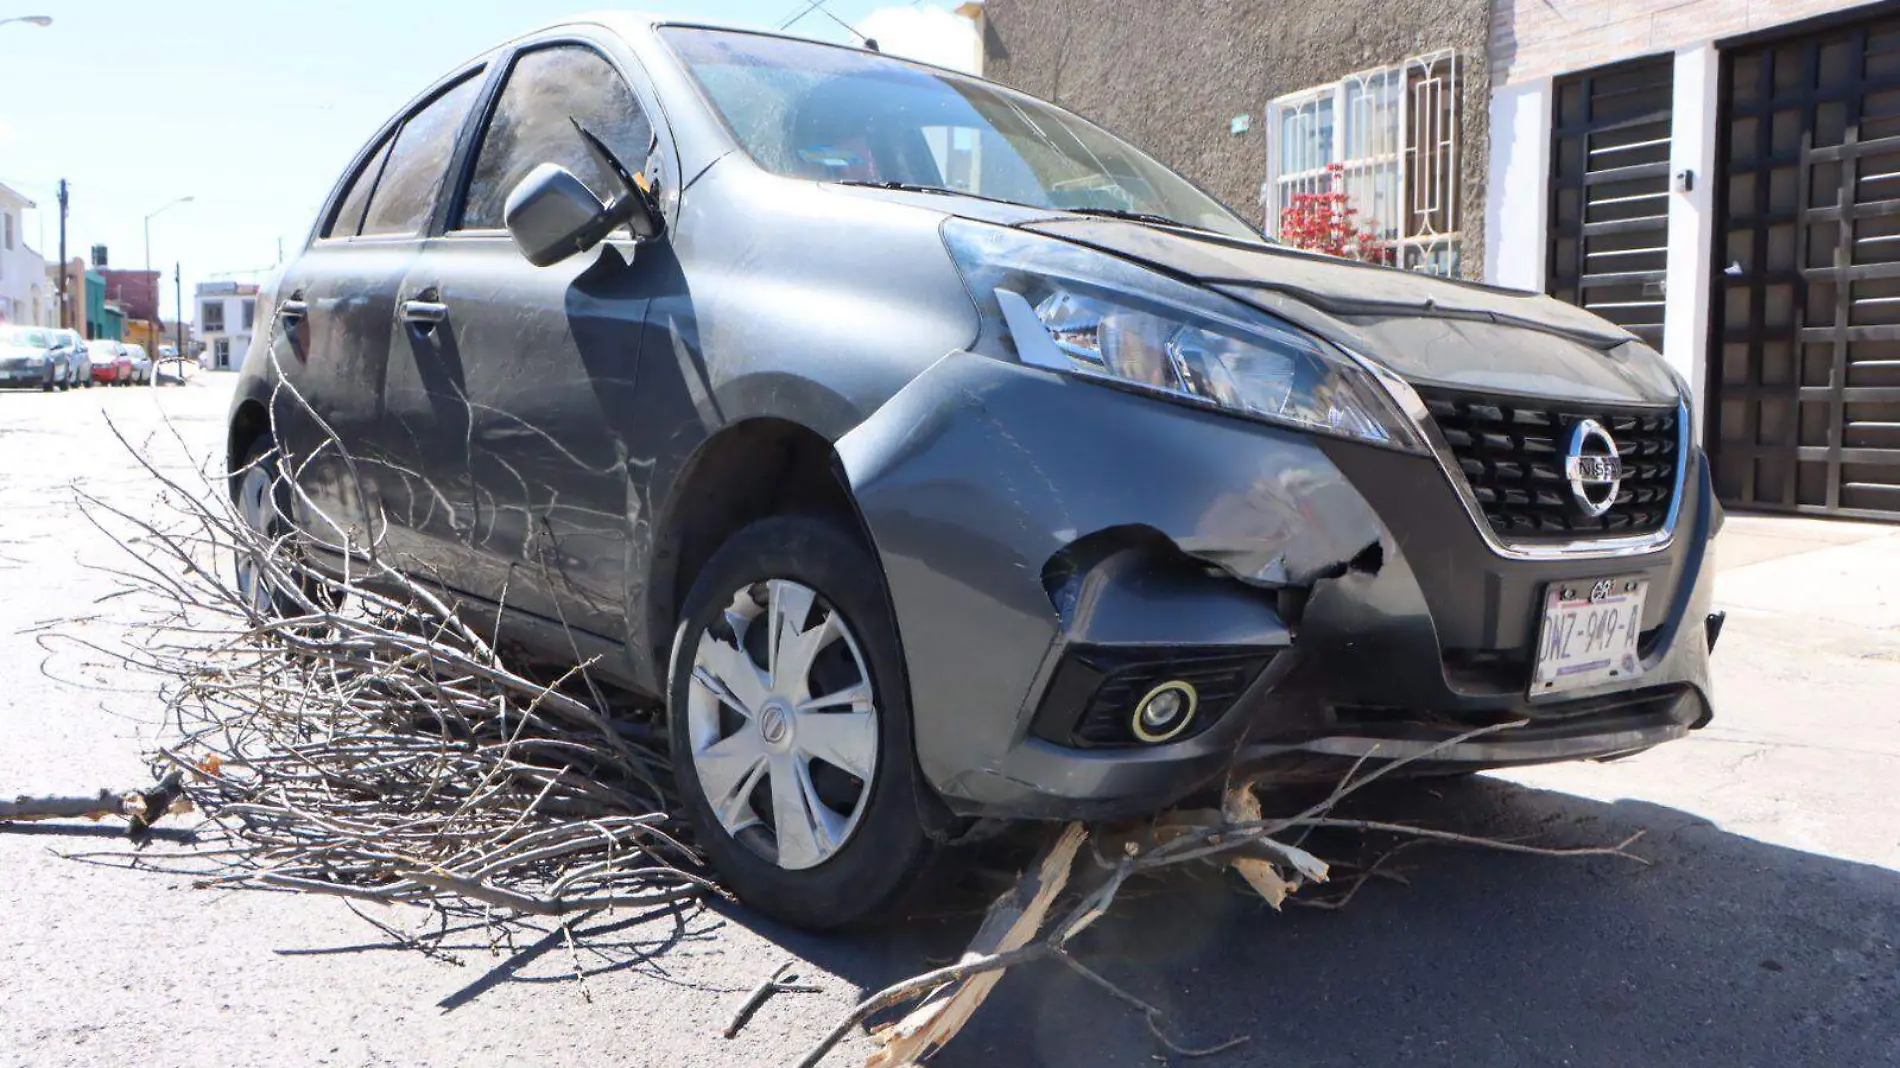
{"x":1387,"y":137}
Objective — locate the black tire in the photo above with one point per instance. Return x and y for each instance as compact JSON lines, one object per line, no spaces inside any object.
{"x":872,"y":871}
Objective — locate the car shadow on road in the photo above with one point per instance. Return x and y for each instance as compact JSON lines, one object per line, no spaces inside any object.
{"x":1722,"y":951}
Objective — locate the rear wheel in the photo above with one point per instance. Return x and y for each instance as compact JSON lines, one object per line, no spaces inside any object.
{"x":263,"y":503}
{"x":790,"y":727}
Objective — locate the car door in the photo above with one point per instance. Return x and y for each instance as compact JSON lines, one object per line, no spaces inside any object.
{"x":542,"y":359}
{"x":335,"y":323}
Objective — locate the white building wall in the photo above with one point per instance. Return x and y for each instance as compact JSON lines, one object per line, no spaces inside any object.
{"x":1691,"y":216}
{"x":22,"y":271}
{"x":1517,"y":210}
{"x":225,"y":348}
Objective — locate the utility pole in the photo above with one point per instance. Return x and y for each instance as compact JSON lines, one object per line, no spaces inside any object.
{"x":178,"y":299}
{"x":64,"y":309}
{"x":151,"y":324}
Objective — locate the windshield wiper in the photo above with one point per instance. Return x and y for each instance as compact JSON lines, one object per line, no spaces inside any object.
{"x":903,"y":187}
{"x":1106,"y":213}
{"x":914,"y":187}
{"x":1137,"y":216}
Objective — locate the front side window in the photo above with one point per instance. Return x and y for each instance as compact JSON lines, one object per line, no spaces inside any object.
{"x":807,"y":110}
{"x":211,"y":317}
{"x":530,"y":126}
{"x":418,"y":161}
{"x":1382,"y":143}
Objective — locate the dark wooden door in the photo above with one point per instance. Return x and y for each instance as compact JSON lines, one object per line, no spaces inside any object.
{"x":1805,"y":365}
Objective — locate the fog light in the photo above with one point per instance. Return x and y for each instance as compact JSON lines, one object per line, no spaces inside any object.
{"x":1165,"y":712}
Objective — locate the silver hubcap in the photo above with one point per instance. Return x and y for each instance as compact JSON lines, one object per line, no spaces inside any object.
{"x":783,"y":724}
{"x":258,"y":508}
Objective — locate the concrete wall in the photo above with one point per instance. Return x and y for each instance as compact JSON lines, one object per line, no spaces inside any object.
{"x":1170,"y":76}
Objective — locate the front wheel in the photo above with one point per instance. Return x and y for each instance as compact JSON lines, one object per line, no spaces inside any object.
{"x":790,"y":727}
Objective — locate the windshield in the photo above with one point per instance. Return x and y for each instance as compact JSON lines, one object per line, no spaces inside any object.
{"x":102,"y":348}
{"x":807,"y":110}
{"x":25,"y":337}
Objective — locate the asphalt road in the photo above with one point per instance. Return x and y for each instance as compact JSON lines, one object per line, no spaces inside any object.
{"x":1763,"y":932}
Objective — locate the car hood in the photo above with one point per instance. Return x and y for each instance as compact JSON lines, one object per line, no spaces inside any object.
{"x":1432,"y":331}
{"x":14,"y":352}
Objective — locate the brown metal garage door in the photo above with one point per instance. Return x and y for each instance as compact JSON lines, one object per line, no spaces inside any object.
{"x":1609,"y":192}
{"x":1805,"y":379}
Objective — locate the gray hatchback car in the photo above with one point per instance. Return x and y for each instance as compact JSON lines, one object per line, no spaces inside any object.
{"x":937,"y":458}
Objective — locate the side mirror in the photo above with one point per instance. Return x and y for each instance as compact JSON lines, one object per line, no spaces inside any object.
{"x":552,"y":214}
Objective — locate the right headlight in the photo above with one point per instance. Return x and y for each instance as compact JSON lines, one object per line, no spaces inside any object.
{"x":1068,"y":308}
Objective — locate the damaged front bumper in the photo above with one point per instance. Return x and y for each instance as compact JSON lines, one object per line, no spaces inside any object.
{"x":1055,"y":548}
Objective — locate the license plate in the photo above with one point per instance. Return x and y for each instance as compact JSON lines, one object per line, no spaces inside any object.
{"x":1589,"y":634}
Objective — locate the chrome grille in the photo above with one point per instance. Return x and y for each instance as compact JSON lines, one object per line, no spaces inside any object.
{"x":1511,"y":452}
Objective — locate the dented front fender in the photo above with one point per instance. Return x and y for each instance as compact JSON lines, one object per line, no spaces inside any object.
{"x":980,"y":472}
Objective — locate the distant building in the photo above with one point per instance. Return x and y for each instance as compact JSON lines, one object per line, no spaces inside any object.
{"x":22,"y":272}
{"x":100,"y":324}
{"x":75,"y":317}
{"x":136,"y":291}
{"x":227,"y":313}
{"x":112,"y":321}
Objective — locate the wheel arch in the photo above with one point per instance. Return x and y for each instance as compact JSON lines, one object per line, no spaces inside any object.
{"x":749,"y":470}
{"x":250,"y":420}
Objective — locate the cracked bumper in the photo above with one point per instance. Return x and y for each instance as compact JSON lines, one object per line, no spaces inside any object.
{"x":1025,"y":520}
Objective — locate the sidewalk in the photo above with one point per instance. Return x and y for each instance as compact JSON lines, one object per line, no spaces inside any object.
{"x":1835,"y":580}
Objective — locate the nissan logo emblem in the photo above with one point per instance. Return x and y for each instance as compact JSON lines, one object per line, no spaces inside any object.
{"x":1594,"y":468}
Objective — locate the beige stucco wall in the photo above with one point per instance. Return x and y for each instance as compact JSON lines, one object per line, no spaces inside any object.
{"x":1170,"y":75}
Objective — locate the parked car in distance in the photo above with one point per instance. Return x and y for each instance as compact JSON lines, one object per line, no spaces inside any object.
{"x":28,"y":358}
{"x":78,"y":357}
{"x":111,"y":364}
{"x":937,"y":458}
{"x":141,"y":365}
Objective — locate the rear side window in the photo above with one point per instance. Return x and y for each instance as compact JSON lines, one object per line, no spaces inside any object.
{"x":418,"y":161}
{"x":530,"y":127}
{"x":349,"y":217}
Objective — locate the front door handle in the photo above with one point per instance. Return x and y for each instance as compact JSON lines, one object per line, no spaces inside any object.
{"x":293,"y":309}
{"x":427,"y":313}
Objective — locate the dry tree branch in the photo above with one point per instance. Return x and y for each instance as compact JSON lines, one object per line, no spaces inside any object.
{"x":351,"y":734}
{"x":1238,"y":836}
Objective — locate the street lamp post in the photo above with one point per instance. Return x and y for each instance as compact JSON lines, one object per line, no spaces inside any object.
{"x":151,"y":325}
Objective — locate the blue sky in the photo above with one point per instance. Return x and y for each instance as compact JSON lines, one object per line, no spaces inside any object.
{"x":250,"y":108}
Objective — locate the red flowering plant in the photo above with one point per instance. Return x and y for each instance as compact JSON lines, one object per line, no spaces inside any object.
{"x":1327,"y":222}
